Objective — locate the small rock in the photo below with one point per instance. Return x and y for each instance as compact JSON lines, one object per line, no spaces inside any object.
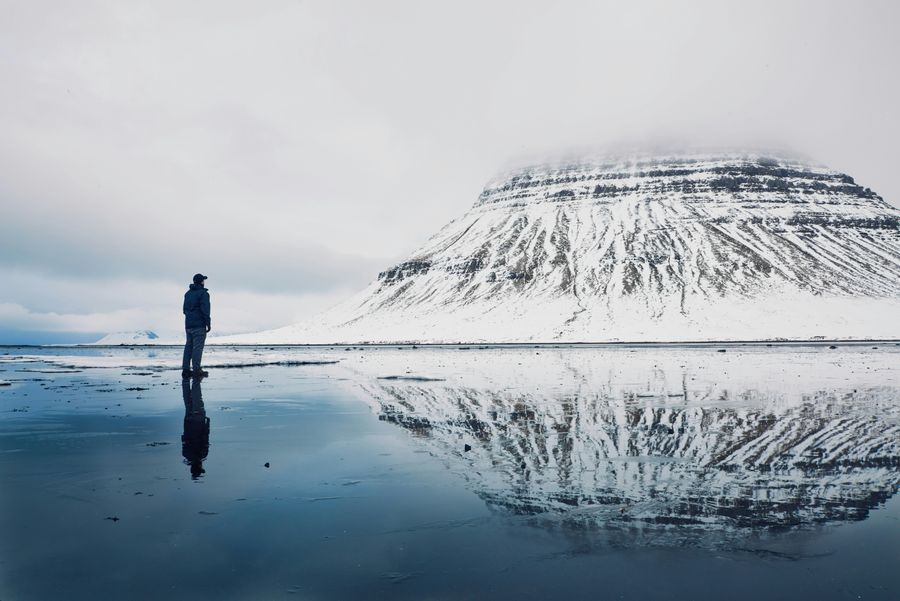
{"x":467,"y":448}
{"x":267,"y":464}
{"x":721,"y":350}
{"x":832,"y":347}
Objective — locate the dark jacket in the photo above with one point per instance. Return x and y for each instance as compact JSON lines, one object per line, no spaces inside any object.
{"x":196,"y":307}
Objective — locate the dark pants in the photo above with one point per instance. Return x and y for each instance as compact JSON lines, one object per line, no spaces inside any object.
{"x":193,"y":348}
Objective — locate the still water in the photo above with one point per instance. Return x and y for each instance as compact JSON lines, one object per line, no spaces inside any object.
{"x":451,"y":473}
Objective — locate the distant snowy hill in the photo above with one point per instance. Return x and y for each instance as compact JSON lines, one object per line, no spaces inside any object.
{"x":139,"y":337}
{"x":687,"y":247}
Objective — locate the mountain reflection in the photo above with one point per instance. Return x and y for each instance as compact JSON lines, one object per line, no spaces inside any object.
{"x":617,"y":444}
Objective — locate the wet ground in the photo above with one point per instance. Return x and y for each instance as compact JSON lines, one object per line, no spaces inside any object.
{"x":452,"y":473}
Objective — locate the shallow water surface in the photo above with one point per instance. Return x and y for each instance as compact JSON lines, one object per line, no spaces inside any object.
{"x":451,"y":473}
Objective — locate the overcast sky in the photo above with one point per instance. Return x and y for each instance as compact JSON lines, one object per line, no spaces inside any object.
{"x":291,"y":150}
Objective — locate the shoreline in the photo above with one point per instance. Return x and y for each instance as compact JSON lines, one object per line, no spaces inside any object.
{"x":493,"y":345}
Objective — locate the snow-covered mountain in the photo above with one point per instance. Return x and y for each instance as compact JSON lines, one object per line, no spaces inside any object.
{"x":729,"y":246}
{"x":126,"y":338}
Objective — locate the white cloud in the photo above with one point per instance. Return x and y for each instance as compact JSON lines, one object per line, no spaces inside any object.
{"x":38,"y":303}
{"x":22,"y":318}
{"x":295,"y":149}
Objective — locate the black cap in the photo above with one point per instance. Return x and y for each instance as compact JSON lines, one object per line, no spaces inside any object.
{"x":199,"y":277}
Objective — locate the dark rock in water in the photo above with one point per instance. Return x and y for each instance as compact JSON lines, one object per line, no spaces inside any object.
{"x":467,"y":448}
{"x":267,"y":464}
{"x":271,"y":363}
{"x":412,"y":378}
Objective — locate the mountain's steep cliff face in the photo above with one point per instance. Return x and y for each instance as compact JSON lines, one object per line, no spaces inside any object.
{"x":643,"y":248}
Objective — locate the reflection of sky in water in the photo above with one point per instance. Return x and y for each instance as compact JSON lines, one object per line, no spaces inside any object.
{"x":638,"y":472}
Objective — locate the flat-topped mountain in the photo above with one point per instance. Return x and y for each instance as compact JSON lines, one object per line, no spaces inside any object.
{"x":685,"y":247}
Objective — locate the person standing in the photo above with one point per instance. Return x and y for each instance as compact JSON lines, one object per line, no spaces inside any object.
{"x":196,"y":326}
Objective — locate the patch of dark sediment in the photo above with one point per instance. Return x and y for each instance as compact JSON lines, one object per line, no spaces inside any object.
{"x":267,"y":364}
{"x":50,"y":371}
{"x":412,"y":378}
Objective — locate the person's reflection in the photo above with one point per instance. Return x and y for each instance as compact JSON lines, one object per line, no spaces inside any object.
{"x":195,"y":440}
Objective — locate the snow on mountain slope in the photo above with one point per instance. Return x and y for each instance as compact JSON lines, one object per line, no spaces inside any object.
{"x":139,"y":337}
{"x":642,"y":248}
